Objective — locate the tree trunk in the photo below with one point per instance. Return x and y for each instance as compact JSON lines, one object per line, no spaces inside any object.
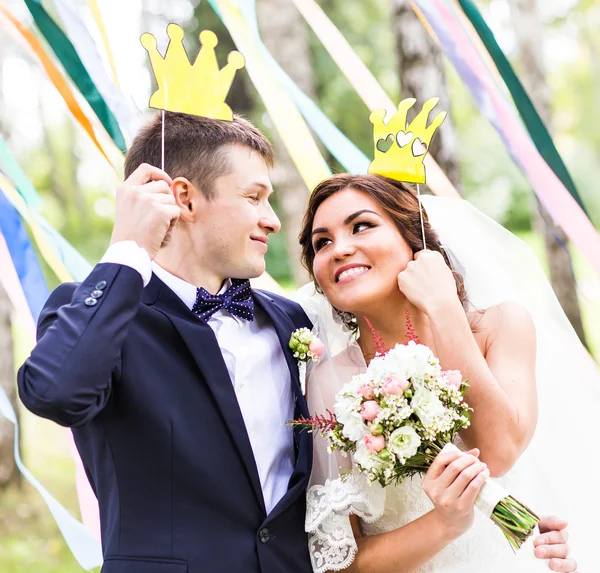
{"x":285,"y":34}
{"x":530,"y":37}
{"x":8,"y":469}
{"x":422,"y":76}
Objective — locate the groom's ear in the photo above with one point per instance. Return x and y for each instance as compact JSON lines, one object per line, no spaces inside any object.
{"x":188,"y":197}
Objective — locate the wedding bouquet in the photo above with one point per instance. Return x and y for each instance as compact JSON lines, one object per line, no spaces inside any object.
{"x":395,"y":418}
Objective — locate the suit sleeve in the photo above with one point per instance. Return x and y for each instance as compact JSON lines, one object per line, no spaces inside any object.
{"x":68,"y":377}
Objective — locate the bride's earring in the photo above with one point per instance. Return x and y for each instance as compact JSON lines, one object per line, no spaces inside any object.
{"x":346,"y":319}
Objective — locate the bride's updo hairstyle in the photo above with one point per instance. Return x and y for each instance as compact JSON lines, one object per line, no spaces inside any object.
{"x":398,"y":200}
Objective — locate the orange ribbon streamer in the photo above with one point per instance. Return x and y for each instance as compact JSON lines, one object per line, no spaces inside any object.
{"x":58,"y":80}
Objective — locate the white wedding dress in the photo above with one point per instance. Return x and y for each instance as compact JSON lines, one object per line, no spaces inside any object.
{"x":482,"y":549}
{"x":557,"y":474}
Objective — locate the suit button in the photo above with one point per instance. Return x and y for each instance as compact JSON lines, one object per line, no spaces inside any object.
{"x":263,"y":535}
{"x":89,"y":301}
{"x":96,"y":293}
{"x":101,"y":285}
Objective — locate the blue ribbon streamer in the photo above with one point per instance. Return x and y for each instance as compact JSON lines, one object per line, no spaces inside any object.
{"x":23,"y":256}
{"x":76,"y":264}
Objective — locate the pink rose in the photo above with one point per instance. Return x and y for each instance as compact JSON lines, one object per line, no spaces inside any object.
{"x":453,"y":377}
{"x":366,"y":391}
{"x":374,"y":443}
{"x":370,"y":410}
{"x":395,"y":385}
{"x":316,"y":346}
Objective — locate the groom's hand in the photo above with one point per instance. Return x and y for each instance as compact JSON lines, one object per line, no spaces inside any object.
{"x":145,"y":209}
{"x":552,"y":544}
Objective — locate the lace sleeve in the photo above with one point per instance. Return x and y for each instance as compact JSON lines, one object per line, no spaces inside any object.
{"x":331,"y":497}
{"x":331,"y":542}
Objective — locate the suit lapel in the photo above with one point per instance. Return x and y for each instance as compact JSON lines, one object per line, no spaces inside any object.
{"x":204,"y":348}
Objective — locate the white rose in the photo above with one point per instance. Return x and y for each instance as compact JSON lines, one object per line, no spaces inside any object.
{"x":354,"y":426}
{"x":365,"y":458}
{"x":427,"y":406}
{"x":344,"y":405}
{"x":404,"y":442}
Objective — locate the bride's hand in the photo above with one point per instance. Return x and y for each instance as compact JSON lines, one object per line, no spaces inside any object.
{"x":428,"y":283}
{"x":552,"y":544}
{"x":452,"y":484}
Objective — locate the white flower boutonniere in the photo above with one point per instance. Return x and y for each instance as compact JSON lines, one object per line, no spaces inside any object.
{"x":305,"y":346}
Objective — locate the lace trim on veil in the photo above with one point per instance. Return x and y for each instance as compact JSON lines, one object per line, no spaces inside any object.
{"x":331,"y":542}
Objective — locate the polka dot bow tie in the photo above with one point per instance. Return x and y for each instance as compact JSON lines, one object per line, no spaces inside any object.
{"x":237,"y":300}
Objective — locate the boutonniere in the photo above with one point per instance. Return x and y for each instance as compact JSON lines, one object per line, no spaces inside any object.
{"x":305,"y":346}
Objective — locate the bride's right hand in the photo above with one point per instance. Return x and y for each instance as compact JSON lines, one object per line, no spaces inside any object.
{"x":452,"y":484}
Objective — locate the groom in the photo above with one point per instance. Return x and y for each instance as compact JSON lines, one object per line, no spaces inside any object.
{"x":175,"y":376}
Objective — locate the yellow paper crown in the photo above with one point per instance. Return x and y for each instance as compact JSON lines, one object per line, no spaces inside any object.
{"x":399,"y":148}
{"x":198,"y":89}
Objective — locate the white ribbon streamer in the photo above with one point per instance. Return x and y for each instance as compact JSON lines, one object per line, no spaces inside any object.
{"x":81,"y":541}
{"x":127,"y":115}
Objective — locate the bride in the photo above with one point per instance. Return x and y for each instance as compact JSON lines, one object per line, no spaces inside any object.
{"x":362,"y":242}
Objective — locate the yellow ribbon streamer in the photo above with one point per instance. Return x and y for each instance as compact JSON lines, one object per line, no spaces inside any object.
{"x":97,"y":15}
{"x":363,"y":81}
{"x":58,"y":80}
{"x":39,"y":236}
{"x":285,"y":115}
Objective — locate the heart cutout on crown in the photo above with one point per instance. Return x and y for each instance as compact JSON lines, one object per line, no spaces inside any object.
{"x":418,"y":148}
{"x":404,"y":138}
{"x":383,"y":145}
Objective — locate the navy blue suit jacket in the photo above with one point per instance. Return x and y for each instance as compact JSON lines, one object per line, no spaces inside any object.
{"x":142,"y":382}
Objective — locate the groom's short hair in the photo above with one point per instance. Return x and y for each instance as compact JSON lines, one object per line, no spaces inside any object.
{"x":194,"y":146}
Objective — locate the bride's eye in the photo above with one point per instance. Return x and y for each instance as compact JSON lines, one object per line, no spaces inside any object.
{"x":362,"y":225}
{"x":320,"y":243}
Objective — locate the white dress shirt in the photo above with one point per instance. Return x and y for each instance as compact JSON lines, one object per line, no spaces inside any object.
{"x":257,"y":368}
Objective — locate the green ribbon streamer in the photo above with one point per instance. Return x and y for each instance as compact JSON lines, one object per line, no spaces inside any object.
{"x":66,"y":53}
{"x":15,"y":173}
{"x":533,"y":122}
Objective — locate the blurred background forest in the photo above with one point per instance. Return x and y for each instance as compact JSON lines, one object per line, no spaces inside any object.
{"x":554,"y":46}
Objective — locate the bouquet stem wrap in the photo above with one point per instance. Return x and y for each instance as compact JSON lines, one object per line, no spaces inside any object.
{"x":516,"y":521}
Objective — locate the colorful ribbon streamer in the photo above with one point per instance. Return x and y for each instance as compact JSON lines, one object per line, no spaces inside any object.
{"x":23,"y":255}
{"x":23,"y":185}
{"x":77,"y":266}
{"x":46,"y":249}
{"x":9,"y":279}
{"x":340,"y":147}
{"x":97,"y":15}
{"x":128,"y":117}
{"x":495,"y":108}
{"x":364,"y":82}
{"x":86,"y":549}
{"x":24,"y":282}
{"x":58,"y":80}
{"x":285,"y":115}
{"x":68,"y":57}
{"x":533,"y":122}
